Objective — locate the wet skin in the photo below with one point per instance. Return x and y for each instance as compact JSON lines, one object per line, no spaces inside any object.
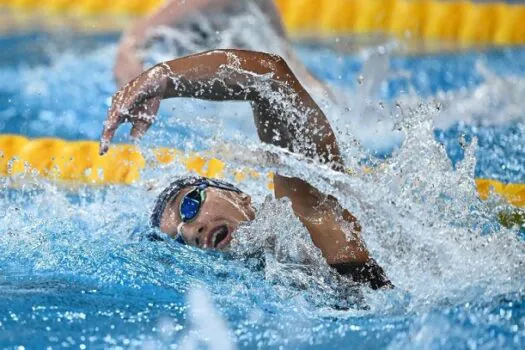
{"x":219,"y":216}
{"x":297,"y":124}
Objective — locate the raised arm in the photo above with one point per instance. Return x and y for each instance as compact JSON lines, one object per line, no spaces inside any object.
{"x":285,"y":114}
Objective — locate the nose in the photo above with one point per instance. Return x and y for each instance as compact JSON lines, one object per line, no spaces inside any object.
{"x":194,"y":234}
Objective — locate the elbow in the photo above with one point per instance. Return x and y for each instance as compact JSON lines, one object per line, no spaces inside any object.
{"x":282,"y":71}
{"x":276,"y":61}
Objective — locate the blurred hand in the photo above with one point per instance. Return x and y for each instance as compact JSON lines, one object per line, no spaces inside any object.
{"x":127,"y":65}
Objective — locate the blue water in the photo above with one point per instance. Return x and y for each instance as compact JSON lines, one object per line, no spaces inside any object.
{"x":74,"y":275}
{"x":76,"y":112}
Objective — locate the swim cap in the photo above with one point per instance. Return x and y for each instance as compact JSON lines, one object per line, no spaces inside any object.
{"x":176,"y":186}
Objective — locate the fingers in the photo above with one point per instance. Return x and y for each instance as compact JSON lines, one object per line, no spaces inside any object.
{"x":139,"y":129}
{"x":150,"y":108}
{"x":130,"y":104}
{"x":112,"y":122}
{"x":145,"y":117}
{"x":107,"y":135}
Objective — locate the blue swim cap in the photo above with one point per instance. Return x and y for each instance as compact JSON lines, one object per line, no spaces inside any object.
{"x":176,"y":186}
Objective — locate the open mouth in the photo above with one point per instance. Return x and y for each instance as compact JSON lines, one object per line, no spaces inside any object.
{"x":219,"y":236}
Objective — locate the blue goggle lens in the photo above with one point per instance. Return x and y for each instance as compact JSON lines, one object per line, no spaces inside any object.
{"x":191,"y":204}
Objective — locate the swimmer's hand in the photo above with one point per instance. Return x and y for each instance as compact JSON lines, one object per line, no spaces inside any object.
{"x":137,"y":103}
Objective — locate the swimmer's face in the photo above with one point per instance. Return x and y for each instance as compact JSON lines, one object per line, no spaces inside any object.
{"x":219,"y":216}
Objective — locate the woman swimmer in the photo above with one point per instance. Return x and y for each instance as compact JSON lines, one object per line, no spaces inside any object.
{"x":200,"y":25}
{"x":205,"y":213}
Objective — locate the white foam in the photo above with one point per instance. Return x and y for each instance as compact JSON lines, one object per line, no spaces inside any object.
{"x":208,"y":327}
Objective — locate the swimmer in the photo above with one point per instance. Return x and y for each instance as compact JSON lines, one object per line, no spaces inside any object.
{"x":200,"y":25}
{"x":205,"y":213}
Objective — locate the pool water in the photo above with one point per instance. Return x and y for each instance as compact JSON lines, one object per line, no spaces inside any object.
{"x":75,"y":272}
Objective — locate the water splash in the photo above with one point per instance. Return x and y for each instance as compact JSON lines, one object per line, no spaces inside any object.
{"x":77,"y":257}
{"x":423,"y":221}
{"x":208,"y":327}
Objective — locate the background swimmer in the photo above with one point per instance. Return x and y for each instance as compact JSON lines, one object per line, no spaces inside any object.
{"x":204,"y":213}
{"x":188,"y":27}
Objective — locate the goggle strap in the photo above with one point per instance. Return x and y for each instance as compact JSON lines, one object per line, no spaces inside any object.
{"x":180,"y":237}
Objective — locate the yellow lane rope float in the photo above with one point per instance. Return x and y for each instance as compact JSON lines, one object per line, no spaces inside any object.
{"x":79,"y":161}
{"x":463,"y":21}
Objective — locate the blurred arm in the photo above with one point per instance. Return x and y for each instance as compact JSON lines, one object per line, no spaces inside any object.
{"x":128,"y":64}
{"x":269,"y":8}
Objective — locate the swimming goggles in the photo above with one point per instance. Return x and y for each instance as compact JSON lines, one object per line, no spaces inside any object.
{"x":191,"y":203}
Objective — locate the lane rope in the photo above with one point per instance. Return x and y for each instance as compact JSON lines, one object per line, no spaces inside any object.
{"x":463,"y":21}
{"x":80,"y":162}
